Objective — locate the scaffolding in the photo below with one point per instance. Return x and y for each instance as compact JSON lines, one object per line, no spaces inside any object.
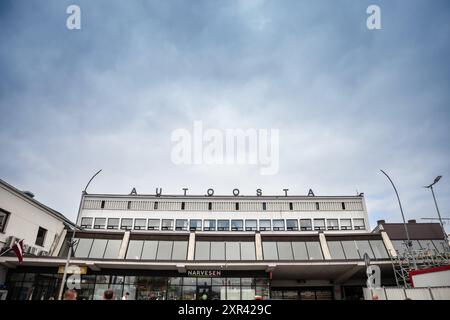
{"x":402,"y":263}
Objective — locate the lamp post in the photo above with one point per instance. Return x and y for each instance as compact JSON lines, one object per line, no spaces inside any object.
{"x":409,"y":244}
{"x":437,"y":208}
{"x":72,"y":241}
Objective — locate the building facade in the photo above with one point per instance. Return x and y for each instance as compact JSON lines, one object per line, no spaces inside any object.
{"x":214,"y":247}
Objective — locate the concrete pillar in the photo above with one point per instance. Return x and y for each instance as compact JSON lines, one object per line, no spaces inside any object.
{"x":324,"y":245}
{"x":388,"y":244}
{"x":191,"y":246}
{"x":59,"y":244}
{"x":124,"y":245}
{"x":258,"y":246}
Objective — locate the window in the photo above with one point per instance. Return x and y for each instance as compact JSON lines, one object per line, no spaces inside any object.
{"x":319,"y":224}
{"x":99,"y":223}
{"x":270,"y":251}
{"x":202,"y":250}
{"x":129,"y":205}
{"x":4,"y":218}
{"x":153,"y":224}
{"x":140,"y":224}
{"x":40,"y":238}
{"x":237,"y":225}
{"x":358,"y":224}
{"x":209,"y":225}
{"x":364,"y":247}
{"x":343,"y":205}
{"x":181,"y":224}
{"x":265,"y":225}
{"x":237,"y":205}
{"x":285,"y":250}
{"x":299,"y":249}
{"x":251,"y":225}
{"x":223,"y":225}
{"x":346,"y":224}
{"x":350,"y":250}
{"x":127,"y":224}
{"x":317,"y":206}
{"x":183,"y":204}
{"x":314,"y":250}
{"x":379,"y":250}
{"x":305,"y":225}
{"x":278,"y":225}
{"x":112,"y":249}
{"x":195,"y":225}
{"x":264,"y":206}
{"x":332,"y":224}
{"x":232,"y":250}
{"x":103,"y":204}
{"x":291,"y":225}
{"x":218,"y":250}
{"x":167,"y":224}
{"x":248,"y":251}
{"x":98,"y":248}
{"x":113,"y":223}
{"x":336,"y":250}
{"x":149,"y":249}
{"x":83,"y":248}
{"x":86,"y":223}
{"x":209,"y":206}
{"x":164,"y":250}
{"x":134,"y":249}
{"x":179,"y":251}
{"x":291,"y":206}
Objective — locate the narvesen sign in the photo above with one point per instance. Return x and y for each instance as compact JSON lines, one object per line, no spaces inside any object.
{"x":204,"y":273}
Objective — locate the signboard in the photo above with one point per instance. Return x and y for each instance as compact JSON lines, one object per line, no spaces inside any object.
{"x":73,"y":269}
{"x":204,"y":273}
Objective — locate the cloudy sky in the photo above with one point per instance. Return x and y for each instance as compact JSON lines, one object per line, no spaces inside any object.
{"x":348,"y":101}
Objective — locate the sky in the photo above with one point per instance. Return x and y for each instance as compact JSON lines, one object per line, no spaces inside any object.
{"x":347,"y":101}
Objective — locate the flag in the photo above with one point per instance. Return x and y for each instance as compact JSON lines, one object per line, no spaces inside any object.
{"x":18,"y":250}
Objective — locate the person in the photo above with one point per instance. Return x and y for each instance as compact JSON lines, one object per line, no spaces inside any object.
{"x":70,"y":294}
{"x":126,"y":296}
{"x":375,"y":297}
{"x":108,"y":295}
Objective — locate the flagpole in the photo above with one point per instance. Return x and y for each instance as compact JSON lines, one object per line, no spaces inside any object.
{"x":71,"y":244}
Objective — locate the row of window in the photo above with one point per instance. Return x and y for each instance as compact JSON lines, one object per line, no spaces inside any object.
{"x":225,"y":250}
{"x":419,"y":245}
{"x":223,"y":225}
{"x":223,"y":205}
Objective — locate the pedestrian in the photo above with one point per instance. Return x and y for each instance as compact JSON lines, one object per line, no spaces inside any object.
{"x":126,"y":296}
{"x":70,"y":294}
{"x":108,"y":295}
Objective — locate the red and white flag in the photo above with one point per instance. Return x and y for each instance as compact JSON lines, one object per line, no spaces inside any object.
{"x":18,"y":250}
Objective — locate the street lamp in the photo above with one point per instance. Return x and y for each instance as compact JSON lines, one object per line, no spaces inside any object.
{"x":409,"y":245}
{"x":72,"y":241}
{"x":437,"y":208}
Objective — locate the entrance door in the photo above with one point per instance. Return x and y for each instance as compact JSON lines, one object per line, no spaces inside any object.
{"x":204,"y":292}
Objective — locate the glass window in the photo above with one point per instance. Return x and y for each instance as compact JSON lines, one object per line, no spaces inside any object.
{"x":218,"y":250}
{"x":265,"y":225}
{"x":98,"y":248}
{"x":86,"y":223}
{"x":179,"y":251}
{"x":134,"y":249}
{"x":127,"y":224}
{"x":336,"y":250}
{"x":164,"y":250}
{"x":270,"y":251}
{"x":248,"y":251}
{"x":181,"y":224}
{"x":4,"y":217}
{"x":237,"y":225}
{"x":251,"y":225}
{"x":149,"y":250}
{"x":40,"y":238}
{"x":292,"y":225}
{"x":285,"y":250}
{"x":359,"y":224}
{"x":99,"y":223}
{"x":314,"y":250}
{"x":364,"y":247}
{"x":195,"y":225}
{"x":232,"y":250}
{"x":332,"y":224}
{"x":167,"y":224}
{"x":112,"y":249}
{"x":202,"y":250}
{"x":153,"y":224}
{"x":305,"y":224}
{"x":350,"y":250}
{"x":278,"y":225}
{"x":83,"y":248}
{"x":379,"y":249}
{"x":113,"y":223}
{"x":209,"y":225}
{"x":299,"y":249}
{"x":346,"y":224}
{"x":223,"y":225}
{"x":140,"y":224}
{"x":319,"y":224}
